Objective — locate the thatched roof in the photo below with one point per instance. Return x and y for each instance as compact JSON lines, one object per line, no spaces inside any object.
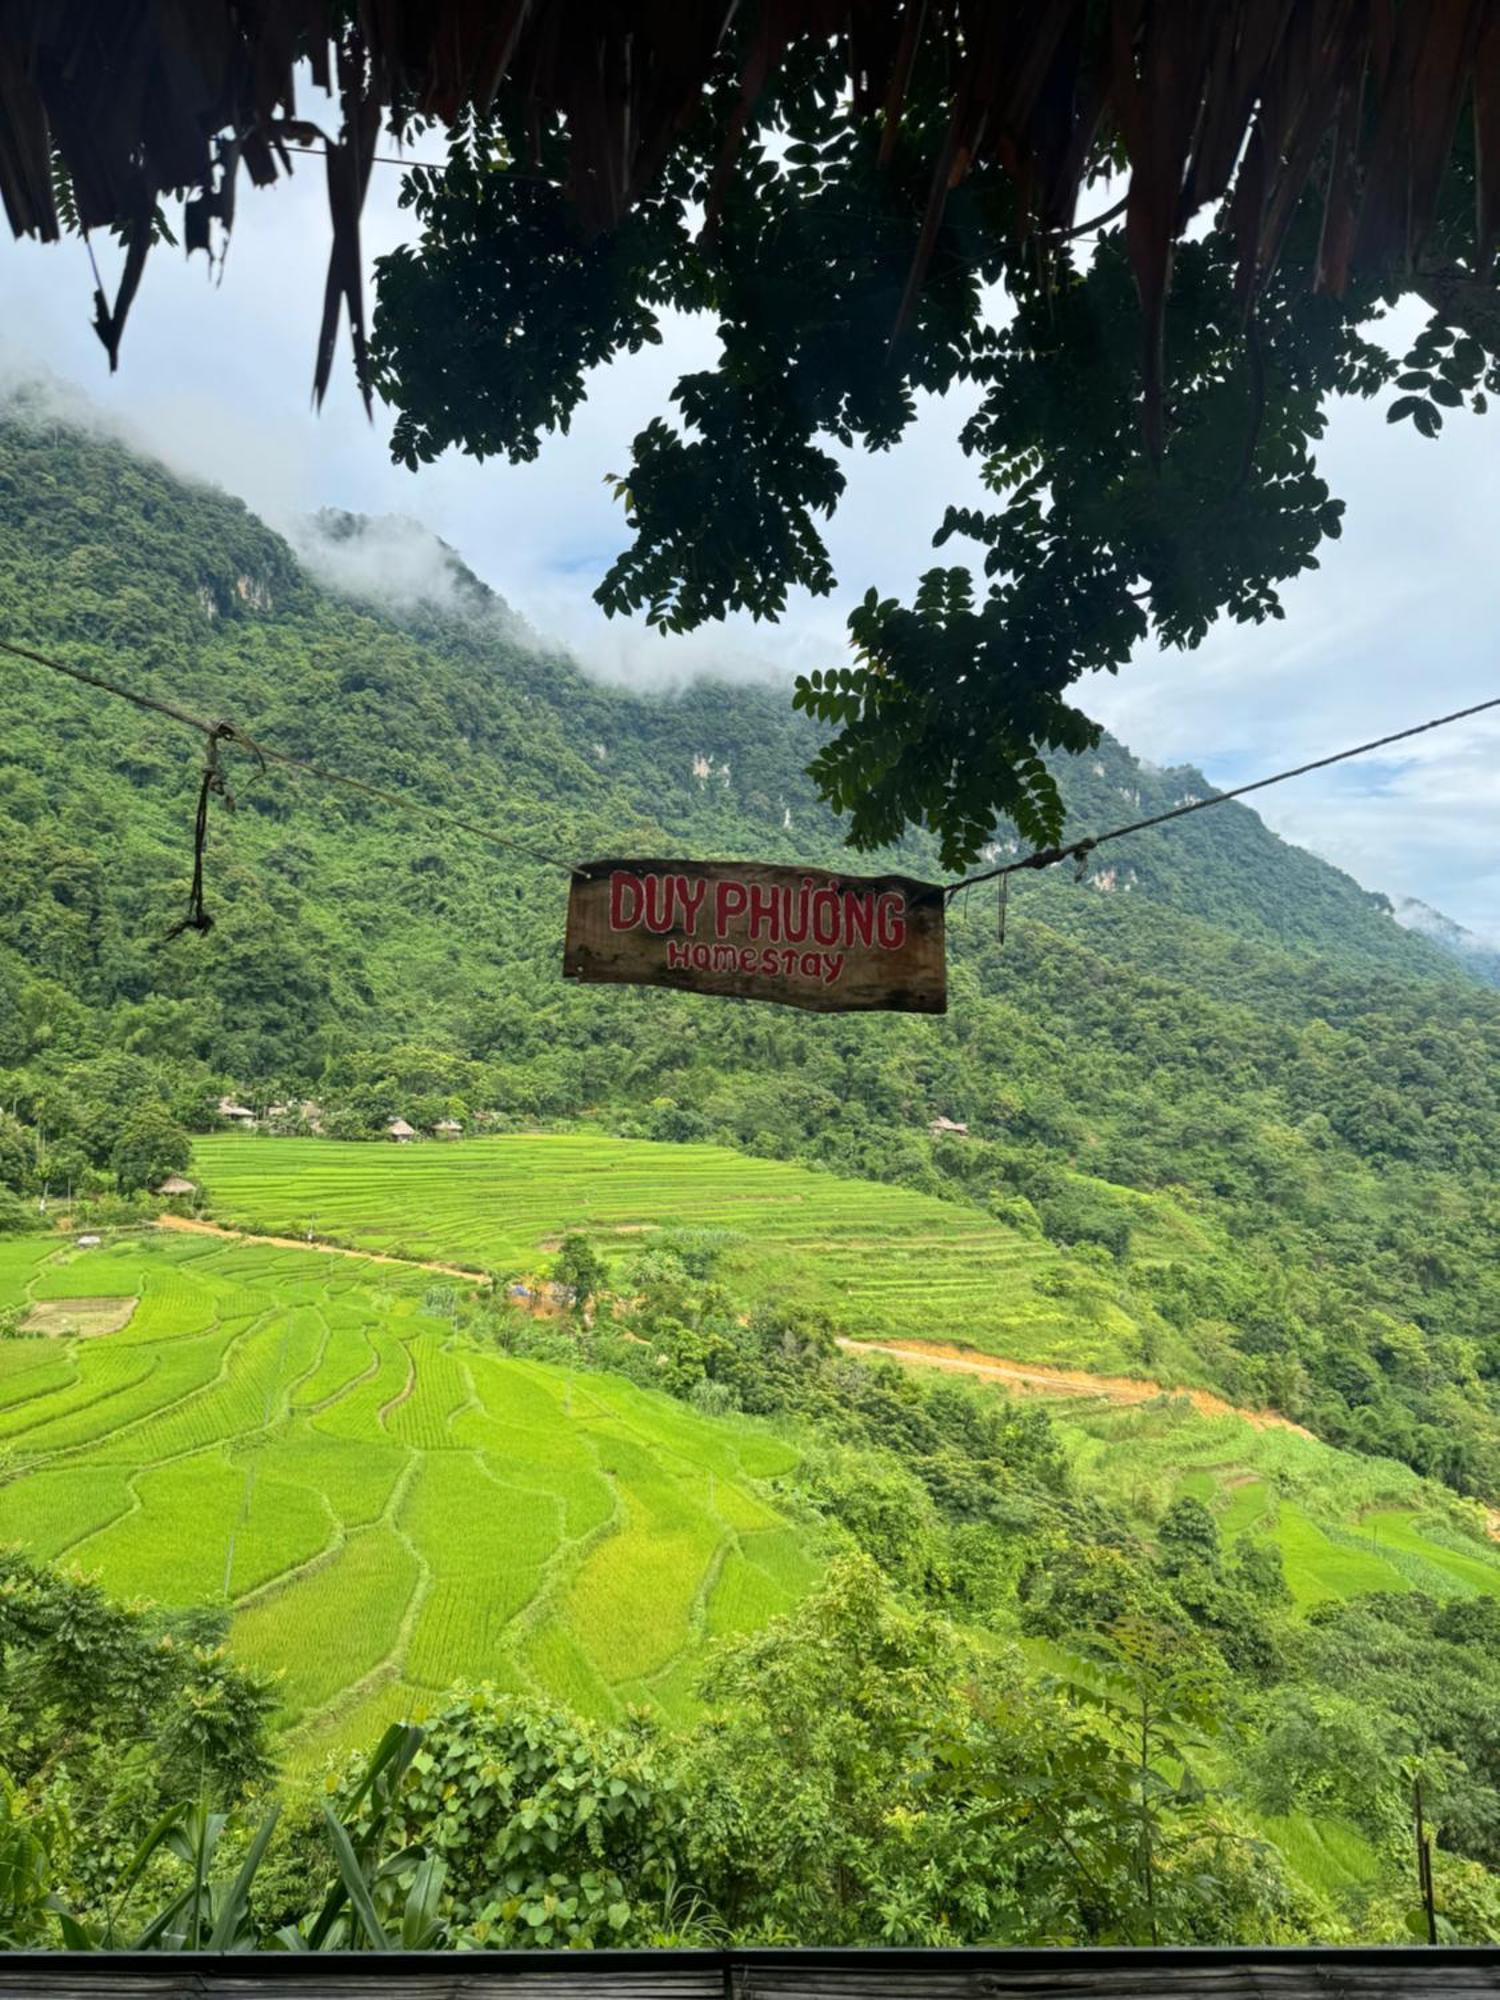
{"x":399,"y":1129}
{"x":175,"y":1184}
{"x":1365,"y":99}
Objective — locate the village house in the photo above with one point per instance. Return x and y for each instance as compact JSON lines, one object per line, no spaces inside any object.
{"x":401,"y":1132}
{"x":448,"y":1128}
{"x":948,"y":1128}
{"x":237,"y":1114}
{"x":174,"y":1184}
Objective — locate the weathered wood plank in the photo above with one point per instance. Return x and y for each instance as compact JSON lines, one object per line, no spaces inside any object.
{"x":106,"y":1979}
{"x":779,"y":1975}
{"x":1246,"y":1983}
{"x":797,"y":936}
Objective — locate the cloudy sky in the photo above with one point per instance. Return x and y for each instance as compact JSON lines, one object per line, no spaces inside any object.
{"x":1399,"y":623}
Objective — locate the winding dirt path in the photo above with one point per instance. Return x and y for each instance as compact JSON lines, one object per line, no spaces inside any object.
{"x":1038,"y":1380}
{"x":190,"y":1225}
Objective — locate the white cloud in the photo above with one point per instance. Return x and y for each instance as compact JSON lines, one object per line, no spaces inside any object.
{"x":385,"y":560}
{"x":1394,"y":627}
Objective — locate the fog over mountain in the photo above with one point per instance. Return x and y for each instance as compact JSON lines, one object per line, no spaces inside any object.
{"x":1474,"y":953}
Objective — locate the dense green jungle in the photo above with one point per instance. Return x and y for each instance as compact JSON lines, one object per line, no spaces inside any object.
{"x":1046,"y":1678}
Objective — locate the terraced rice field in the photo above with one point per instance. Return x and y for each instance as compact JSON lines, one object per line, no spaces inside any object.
{"x":883,"y":1260}
{"x":1344,"y":1524}
{"x":385,"y":1507}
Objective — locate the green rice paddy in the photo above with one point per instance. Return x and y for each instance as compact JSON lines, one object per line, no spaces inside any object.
{"x":385,"y":1507}
{"x":1344,"y":1525}
{"x":884,"y":1261}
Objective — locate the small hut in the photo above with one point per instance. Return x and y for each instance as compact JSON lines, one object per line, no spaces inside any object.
{"x":174,"y":1184}
{"x":237,"y":1114}
{"x":448,"y":1128}
{"x":948,"y":1128}
{"x":401,"y":1132}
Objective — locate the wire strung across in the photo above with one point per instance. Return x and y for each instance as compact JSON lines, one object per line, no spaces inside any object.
{"x":1080,"y":850}
{"x":215,"y":733}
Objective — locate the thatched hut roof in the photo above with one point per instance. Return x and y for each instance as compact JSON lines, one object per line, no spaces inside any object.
{"x":1266,"y":94}
{"x":447,"y":1125}
{"x":399,"y":1129}
{"x":175,"y":1184}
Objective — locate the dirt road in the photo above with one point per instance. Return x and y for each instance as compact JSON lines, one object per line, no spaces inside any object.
{"x":191,"y":1226}
{"x":1037,"y":1380}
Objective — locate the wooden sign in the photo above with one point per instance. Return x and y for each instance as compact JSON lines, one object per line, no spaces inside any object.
{"x":800,"y":936}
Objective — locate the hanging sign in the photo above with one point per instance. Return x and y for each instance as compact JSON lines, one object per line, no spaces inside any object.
{"x":800,"y":936}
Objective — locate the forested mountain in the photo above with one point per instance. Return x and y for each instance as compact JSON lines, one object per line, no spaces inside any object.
{"x":1213,"y":1013}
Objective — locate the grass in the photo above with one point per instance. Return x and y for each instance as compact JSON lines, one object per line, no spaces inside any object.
{"x":886,"y":1262}
{"x":1460,"y":1570}
{"x":51,"y":1512}
{"x":202,"y":1526}
{"x":19,"y":1258}
{"x":1319,"y":1568}
{"x":334,"y":1625}
{"x":383,"y":1507}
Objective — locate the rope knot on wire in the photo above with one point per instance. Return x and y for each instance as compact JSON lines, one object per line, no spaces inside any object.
{"x":211,"y":785}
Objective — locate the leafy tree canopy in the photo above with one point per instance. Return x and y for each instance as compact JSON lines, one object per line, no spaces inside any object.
{"x":151,"y":1147}
{"x":1091,"y":540}
{"x":109,"y":1715}
{"x":581,"y":1271}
